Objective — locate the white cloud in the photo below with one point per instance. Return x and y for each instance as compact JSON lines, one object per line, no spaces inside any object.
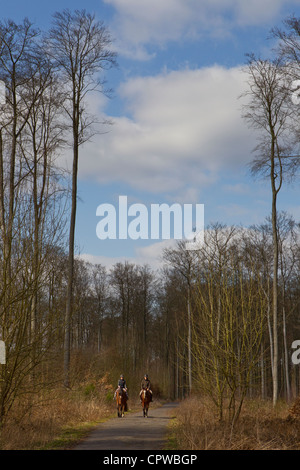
{"x":182,"y":129}
{"x":150,"y":255}
{"x":141,"y":22}
{"x":106,"y":261}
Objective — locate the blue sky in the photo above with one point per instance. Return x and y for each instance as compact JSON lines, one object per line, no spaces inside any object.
{"x":177,"y":133}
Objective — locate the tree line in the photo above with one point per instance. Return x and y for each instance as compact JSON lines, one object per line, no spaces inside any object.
{"x":219,"y":320}
{"x":47,"y":78}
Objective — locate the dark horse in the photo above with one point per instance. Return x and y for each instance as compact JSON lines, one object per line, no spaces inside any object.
{"x":146,"y":399}
{"x":121,"y":402}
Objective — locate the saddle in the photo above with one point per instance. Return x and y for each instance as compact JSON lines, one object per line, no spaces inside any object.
{"x":123,"y":392}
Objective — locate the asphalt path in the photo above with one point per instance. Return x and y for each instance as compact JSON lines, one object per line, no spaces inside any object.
{"x":133,"y":432}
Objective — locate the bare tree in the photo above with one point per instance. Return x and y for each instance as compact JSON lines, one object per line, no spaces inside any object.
{"x":228,"y":321}
{"x":183,"y":261}
{"x":288,"y":47}
{"x":124,"y":281}
{"x":27,"y":198}
{"x":269,"y":110}
{"x":100,"y":287}
{"x":80,"y":48}
{"x":18,"y":51}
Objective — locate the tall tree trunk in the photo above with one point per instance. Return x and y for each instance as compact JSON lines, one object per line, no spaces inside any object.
{"x":286,"y":357}
{"x":275,"y":296}
{"x":67,"y":344}
{"x":189,"y":340}
{"x":275,"y":191}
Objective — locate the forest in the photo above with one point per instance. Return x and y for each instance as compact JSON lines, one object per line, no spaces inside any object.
{"x":218,"y":321}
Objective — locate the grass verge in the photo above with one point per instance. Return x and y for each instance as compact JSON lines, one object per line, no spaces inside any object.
{"x":260,"y":427}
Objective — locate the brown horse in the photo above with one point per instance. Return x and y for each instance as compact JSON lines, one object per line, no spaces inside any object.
{"x":146,"y":399}
{"x":121,"y":402}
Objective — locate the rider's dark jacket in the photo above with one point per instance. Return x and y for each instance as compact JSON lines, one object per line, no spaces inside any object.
{"x":145,"y":384}
{"x":122,"y":383}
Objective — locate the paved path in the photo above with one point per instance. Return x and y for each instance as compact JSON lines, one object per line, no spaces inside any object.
{"x":133,"y":432}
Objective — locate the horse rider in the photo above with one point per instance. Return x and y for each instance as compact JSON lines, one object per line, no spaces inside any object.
{"x":122,"y":385}
{"x":146,"y":385}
